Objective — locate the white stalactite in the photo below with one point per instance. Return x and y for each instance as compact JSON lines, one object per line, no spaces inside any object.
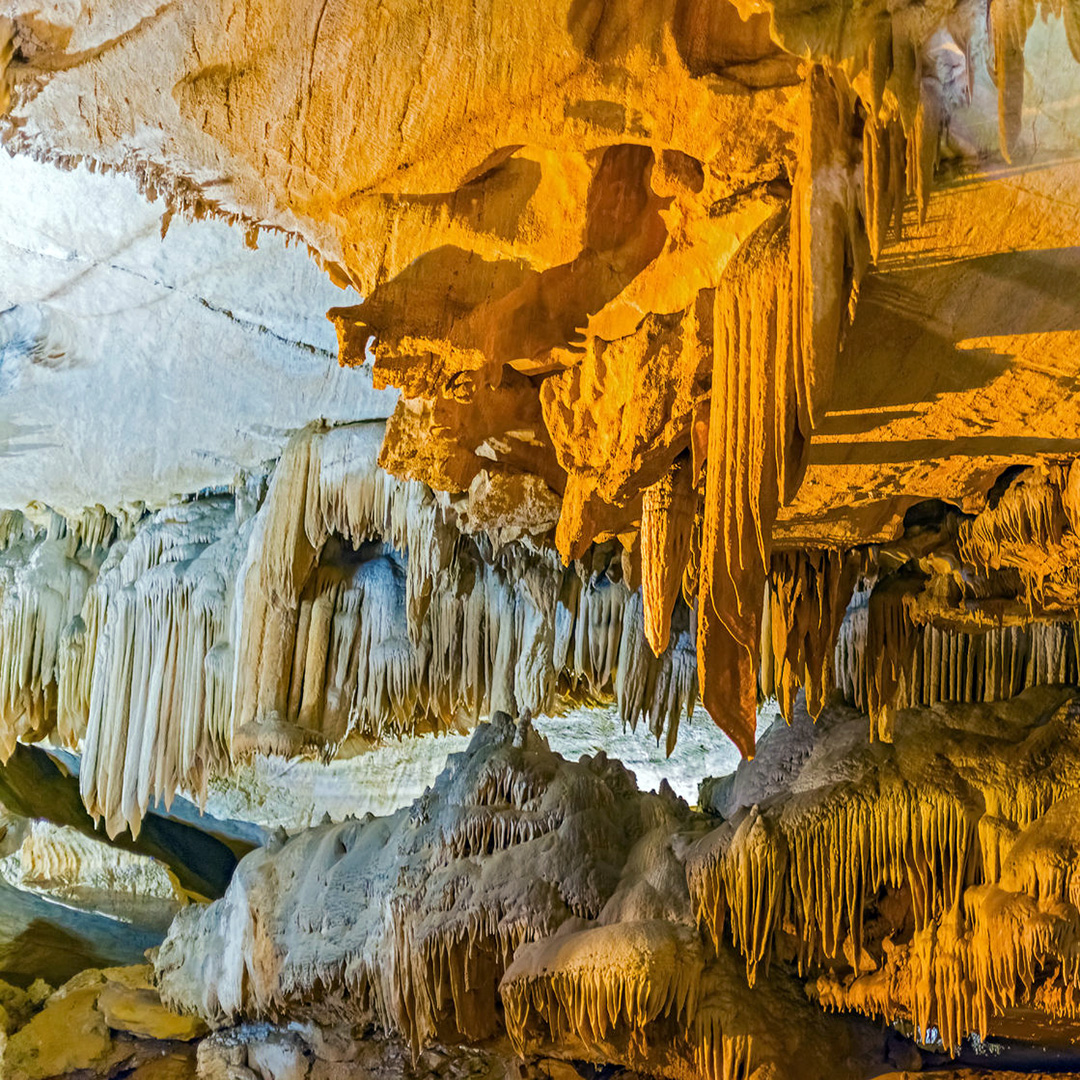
{"x":349,"y":603}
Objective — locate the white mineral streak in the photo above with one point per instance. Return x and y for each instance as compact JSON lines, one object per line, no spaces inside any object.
{"x":702,"y":750}
{"x":379,"y":778}
{"x":355,"y":608}
{"x":297,"y":793}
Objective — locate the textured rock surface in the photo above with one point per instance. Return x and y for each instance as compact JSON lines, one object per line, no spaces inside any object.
{"x":700,"y":351}
{"x":423,"y":923}
{"x":160,"y":366}
{"x":98,"y":1024}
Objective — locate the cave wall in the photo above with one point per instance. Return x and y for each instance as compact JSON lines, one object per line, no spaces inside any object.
{"x":689,"y":350}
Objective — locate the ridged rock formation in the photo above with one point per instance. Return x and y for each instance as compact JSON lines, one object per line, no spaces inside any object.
{"x":58,"y":861}
{"x":376,"y":371}
{"x":419,"y":923}
{"x":929,"y":879}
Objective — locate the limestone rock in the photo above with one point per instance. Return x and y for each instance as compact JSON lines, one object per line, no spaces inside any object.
{"x":85,"y":1025}
{"x":955,"y":902}
{"x":129,"y":1002}
{"x":554,"y":887}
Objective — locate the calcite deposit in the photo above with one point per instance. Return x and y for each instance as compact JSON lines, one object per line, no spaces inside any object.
{"x":387,"y":381}
{"x":420,"y":923}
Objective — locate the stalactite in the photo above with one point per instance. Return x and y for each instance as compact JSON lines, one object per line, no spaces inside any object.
{"x":815,"y":870}
{"x":885,"y":661}
{"x":780,"y":309}
{"x":41,"y":591}
{"x":808,"y":596}
{"x":353,"y":604}
{"x":825,"y":243}
{"x":1034,"y":528}
{"x":583,"y":986}
{"x":158,"y":716}
{"x":755,"y":444}
{"x":1070,"y":13}
{"x":431,"y":626}
{"x":884,"y":169}
{"x":7,"y":51}
{"x":1009,"y":23}
{"x":667,"y":515}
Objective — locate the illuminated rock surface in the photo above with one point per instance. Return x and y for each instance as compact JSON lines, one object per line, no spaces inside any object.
{"x":697,"y":359}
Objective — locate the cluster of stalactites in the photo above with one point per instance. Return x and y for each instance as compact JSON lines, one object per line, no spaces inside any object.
{"x":901,"y":132}
{"x":113,"y":637}
{"x":339,"y":637}
{"x":148,"y":665}
{"x":1033,"y":528}
{"x":419,"y":922}
{"x":973,"y":860}
{"x":807,"y":596}
{"x":885,"y":661}
{"x":813,"y":871}
{"x":1009,"y":23}
{"x":999,"y":950}
{"x":41,"y":593}
{"x":353,"y":606}
{"x":586,"y":986}
{"x":46,"y":566}
{"x":902,"y":101}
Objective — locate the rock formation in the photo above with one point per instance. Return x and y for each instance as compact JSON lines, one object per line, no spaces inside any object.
{"x":679,"y":352}
{"x":419,"y":923}
{"x":99,"y":1022}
